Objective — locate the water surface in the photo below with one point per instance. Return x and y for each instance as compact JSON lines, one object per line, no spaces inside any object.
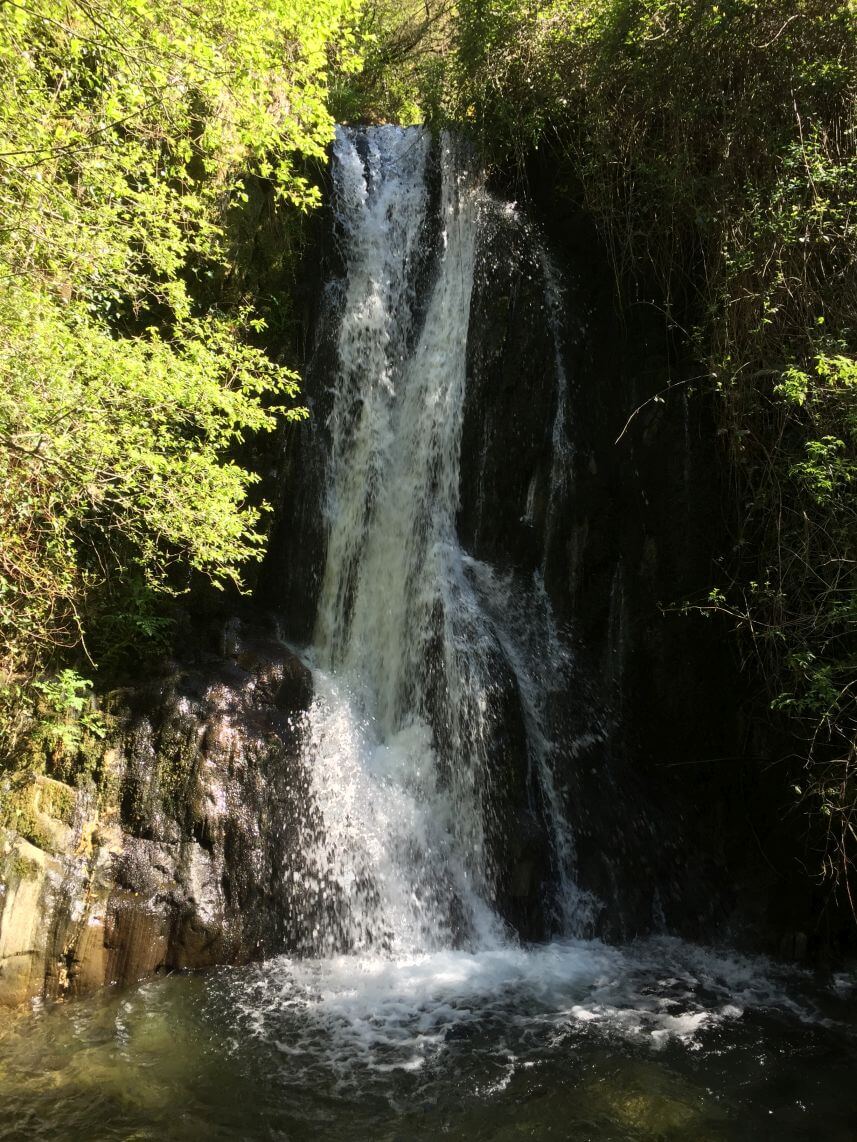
{"x":573,"y":1040}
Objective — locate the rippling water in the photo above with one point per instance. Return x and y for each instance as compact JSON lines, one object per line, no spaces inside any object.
{"x":573,"y":1040}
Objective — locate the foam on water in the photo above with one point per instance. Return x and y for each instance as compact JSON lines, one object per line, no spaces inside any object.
{"x":571,"y":1040}
{"x":357,"y":1017}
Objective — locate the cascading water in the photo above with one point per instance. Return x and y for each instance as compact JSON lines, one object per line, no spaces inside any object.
{"x":412,"y":645}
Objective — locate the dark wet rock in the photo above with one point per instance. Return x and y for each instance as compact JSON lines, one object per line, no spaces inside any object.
{"x":176,"y":864}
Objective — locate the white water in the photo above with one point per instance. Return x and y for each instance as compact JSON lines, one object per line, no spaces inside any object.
{"x":356,"y":1019}
{"x":415,"y":643}
{"x":401,"y":834}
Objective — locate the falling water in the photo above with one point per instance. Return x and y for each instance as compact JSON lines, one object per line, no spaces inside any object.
{"x":416,"y":645}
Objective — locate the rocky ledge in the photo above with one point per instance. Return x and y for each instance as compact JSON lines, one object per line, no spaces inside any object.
{"x":165,"y":859}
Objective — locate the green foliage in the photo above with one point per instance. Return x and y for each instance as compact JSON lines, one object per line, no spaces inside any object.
{"x":406,"y":47}
{"x":52,"y":724}
{"x":130,"y":134}
{"x":67,"y":713}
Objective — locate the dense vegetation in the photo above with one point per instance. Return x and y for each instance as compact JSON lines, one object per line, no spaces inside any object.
{"x":713,"y":142}
{"x":129,"y":369}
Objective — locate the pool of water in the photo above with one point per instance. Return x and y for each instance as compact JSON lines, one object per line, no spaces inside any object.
{"x":575,"y":1040}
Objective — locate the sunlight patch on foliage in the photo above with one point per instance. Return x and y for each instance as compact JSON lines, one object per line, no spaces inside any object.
{"x":128,"y":132}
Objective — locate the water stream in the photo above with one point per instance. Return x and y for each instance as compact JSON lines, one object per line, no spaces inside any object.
{"x":419,"y":649}
{"x":415,"y":1010}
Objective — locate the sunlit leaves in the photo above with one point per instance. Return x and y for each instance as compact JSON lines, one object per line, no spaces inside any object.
{"x":127,"y":131}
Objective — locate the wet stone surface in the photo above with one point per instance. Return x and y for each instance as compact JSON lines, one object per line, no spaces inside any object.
{"x":180,"y":862}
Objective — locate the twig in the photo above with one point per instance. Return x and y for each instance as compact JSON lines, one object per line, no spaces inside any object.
{"x":655,"y":396}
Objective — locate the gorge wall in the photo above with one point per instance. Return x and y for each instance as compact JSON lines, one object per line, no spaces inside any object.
{"x":176,"y":858}
{"x":645,"y":710}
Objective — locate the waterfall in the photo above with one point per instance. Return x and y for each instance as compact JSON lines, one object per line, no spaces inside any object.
{"x":420,"y":652}
{"x":398,"y":858}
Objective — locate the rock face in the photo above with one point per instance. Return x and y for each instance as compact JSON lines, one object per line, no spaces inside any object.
{"x":611,"y":531}
{"x":599,"y":534}
{"x":172,"y":862}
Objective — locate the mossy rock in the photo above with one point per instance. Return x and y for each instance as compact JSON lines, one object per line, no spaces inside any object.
{"x":16,"y":863}
{"x":39,"y":809}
